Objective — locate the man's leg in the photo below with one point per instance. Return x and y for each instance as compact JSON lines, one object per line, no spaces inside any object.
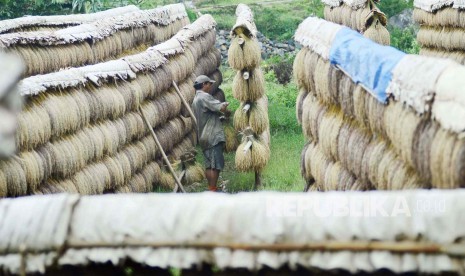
{"x":212,"y":178}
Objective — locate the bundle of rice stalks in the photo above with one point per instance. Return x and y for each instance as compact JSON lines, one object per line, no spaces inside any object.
{"x":3,"y":185}
{"x":441,"y":166}
{"x":344,"y":135}
{"x":244,"y":52}
{"x":444,"y":38}
{"x":243,"y":158}
{"x":231,"y":137}
{"x":458,"y":56}
{"x":445,"y":17}
{"x":300,"y":104}
{"x":256,"y":117}
{"x":249,"y":82}
{"x":152,"y":174}
{"x":318,"y":163}
{"x":15,"y":176}
{"x":53,"y":186}
{"x":322,"y":81}
{"x":116,"y":172}
{"x":34,"y":126}
{"x":136,"y":155}
{"x":334,"y":75}
{"x":195,"y":173}
{"x":303,"y":164}
{"x":107,"y":102}
{"x":311,"y":60}
{"x":346,"y":89}
{"x":298,"y":67}
{"x":162,"y":79}
{"x":421,"y":147}
{"x":375,"y":111}
{"x":328,"y":132}
{"x":132,"y":93}
{"x":33,"y":169}
{"x":92,"y":180}
{"x":401,"y":125}
{"x":356,"y":146}
{"x":123,"y":162}
{"x":137,"y":184}
{"x":311,"y":117}
{"x":64,"y":114}
{"x":67,"y":157}
{"x":360,"y":109}
{"x":123,"y":190}
{"x":150,"y":146}
{"x":378,"y":33}
{"x":346,"y":180}
{"x":331,"y":179}
{"x":167,"y":180}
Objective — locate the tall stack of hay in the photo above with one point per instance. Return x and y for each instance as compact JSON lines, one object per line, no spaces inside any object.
{"x":57,"y":22}
{"x":81,"y":131}
{"x":375,"y":117}
{"x":106,"y":39}
{"x":361,"y":15}
{"x":251,"y":118}
{"x":442,"y":28}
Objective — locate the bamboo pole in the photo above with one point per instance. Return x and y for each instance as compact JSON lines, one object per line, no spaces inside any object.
{"x":186,"y":104}
{"x":165,"y":158}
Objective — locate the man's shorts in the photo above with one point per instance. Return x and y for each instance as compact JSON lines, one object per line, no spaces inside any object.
{"x":214,"y":158}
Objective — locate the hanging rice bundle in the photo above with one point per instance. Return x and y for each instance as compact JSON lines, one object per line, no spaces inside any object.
{"x":53,"y":186}
{"x":122,"y":161}
{"x":258,"y":116}
{"x":3,"y":185}
{"x":33,"y":169}
{"x":303,"y":163}
{"x":458,"y":163}
{"x":116,"y":172}
{"x":322,"y":81}
{"x":312,"y":116}
{"x":109,"y":104}
{"x":334,"y":75}
{"x":331,"y":179}
{"x":400,"y":125}
{"x":244,"y":52}
{"x":310,"y":63}
{"x":64,"y":114}
{"x":15,"y":177}
{"x":167,"y":180}
{"x":344,"y":135}
{"x":318,"y":162}
{"x":137,"y":184}
{"x":356,"y":146}
{"x":360,"y":109}
{"x":378,"y":33}
{"x":110,"y":137}
{"x":132,"y":93}
{"x":421,"y":147}
{"x":34,"y":126}
{"x":346,"y":180}
{"x":298,"y":67}
{"x":92,"y":180}
{"x":231,"y":137}
{"x":299,"y":104}
{"x":153,"y":170}
{"x":243,"y":160}
{"x":328,"y":130}
{"x":260,"y":154}
{"x":136,"y":156}
{"x":346,"y":89}
{"x":146,"y":85}
{"x":195,"y":173}
{"x":249,"y":85}
{"x":442,"y":148}
{"x":241,"y":118}
{"x":375,"y":111}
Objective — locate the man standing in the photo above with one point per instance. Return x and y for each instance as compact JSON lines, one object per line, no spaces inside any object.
{"x":210,"y":130}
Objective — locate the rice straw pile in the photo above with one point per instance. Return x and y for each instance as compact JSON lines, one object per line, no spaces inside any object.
{"x":251,"y":118}
{"x":366,"y":18}
{"x":122,"y":32}
{"x":442,"y":29}
{"x":388,"y":146}
{"x":85,"y":134}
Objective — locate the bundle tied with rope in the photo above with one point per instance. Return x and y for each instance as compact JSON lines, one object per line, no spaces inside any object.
{"x":251,"y":118}
{"x":364,"y":17}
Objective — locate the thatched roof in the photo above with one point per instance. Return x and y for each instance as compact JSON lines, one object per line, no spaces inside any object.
{"x":11,"y":25}
{"x":354,"y":4}
{"x":245,"y":20}
{"x":99,"y":29}
{"x":10,"y":72}
{"x":275,"y":234}
{"x":434,"y":5}
{"x":119,"y":69}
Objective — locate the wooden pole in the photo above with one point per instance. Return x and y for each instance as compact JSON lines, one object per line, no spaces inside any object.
{"x":181,"y":176}
{"x":154,"y":135}
{"x":186,"y":104}
{"x":258,"y":180}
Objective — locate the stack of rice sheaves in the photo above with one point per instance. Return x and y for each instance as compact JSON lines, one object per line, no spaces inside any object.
{"x":375,"y":117}
{"x":442,"y":28}
{"x":249,"y":88}
{"x":361,"y":15}
{"x":81,"y":131}
{"x":102,"y":40}
{"x":57,"y":22}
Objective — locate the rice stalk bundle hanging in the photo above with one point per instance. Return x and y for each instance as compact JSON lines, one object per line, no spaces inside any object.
{"x":122,"y":161}
{"x":400,"y":128}
{"x":46,"y":158}
{"x":150,"y":146}
{"x":134,"y":124}
{"x":243,"y":159}
{"x":346,"y":180}
{"x":153,"y":170}
{"x":328,"y":130}
{"x":153,"y":113}
{"x":241,"y":118}
{"x":345,"y":133}
{"x":260,"y":154}
{"x":110,"y":134}
{"x":378,"y":148}
{"x":250,"y":89}
{"x":162,"y":79}
{"x":375,"y":111}
{"x":195,"y":173}
{"x":298,"y":67}
{"x":458,"y":56}
{"x":108,"y":103}
{"x":33,"y":169}
{"x":378,"y":33}
{"x":258,"y":117}
{"x":303,"y":163}
{"x":312,"y":116}
{"x":421,"y":147}
{"x":231,"y":137}
{"x":318,"y":163}
{"x":334,"y":75}
{"x":116,"y":172}
{"x":15,"y":177}
{"x":137,"y":184}
{"x":386,"y":165}
{"x":322,"y":81}
{"x":331,"y":180}
{"x":346,"y":89}
{"x":167,"y":180}
{"x":244,"y":52}
{"x":53,"y":186}
{"x":34,"y":128}
{"x":67,"y":159}
{"x":64,"y":114}
{"x":132,"y":93}
{"x":136,"y":157}
{"x":458,"y":163}
{"x":3,"y":185}
{"x":92,"y":180}
{"x":310,"y":63}
{"x":442,"y":149}
{"x":123,"y":190}
{"x":360,"y":108}
{"x":356,"y":146}
{"x":299,"y":104}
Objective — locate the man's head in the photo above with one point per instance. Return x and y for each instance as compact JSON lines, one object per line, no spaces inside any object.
{"x":10,"y":103}
{"x":203,"y":83}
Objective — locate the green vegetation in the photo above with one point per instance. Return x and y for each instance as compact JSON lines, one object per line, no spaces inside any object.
{"x":277,"y":21}
{"x":393,"y":7}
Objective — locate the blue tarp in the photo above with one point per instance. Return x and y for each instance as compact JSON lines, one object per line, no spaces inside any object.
{"x":365,"y":61}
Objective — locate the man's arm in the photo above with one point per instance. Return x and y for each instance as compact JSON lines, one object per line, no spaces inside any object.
{"x":214,"y":105}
